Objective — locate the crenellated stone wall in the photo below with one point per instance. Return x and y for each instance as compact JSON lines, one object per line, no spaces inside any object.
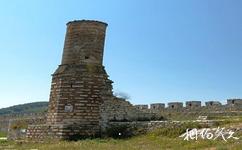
{"x":113,"y":110}
{"x":232,"y":105}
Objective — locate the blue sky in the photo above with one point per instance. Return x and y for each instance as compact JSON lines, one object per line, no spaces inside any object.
{"x":156,"y":50}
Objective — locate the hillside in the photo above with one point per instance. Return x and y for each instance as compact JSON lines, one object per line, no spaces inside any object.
{"x":36,"y":107}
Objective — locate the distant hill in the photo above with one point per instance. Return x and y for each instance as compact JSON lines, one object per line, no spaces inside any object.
{"x":36,"y":107}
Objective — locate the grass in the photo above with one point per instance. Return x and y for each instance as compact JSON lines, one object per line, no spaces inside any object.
{"x":228,"y":121}
{"x":3,"y":134}
{"x":174,"y":131}
{"x":143,"y":142}
{"x":159,"y":139}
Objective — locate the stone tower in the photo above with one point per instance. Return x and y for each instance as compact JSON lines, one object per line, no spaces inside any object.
{"x":80,"y":83}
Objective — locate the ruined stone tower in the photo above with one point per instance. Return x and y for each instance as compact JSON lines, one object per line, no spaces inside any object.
{"x":80,"y":81}
{"x":79,"y":85}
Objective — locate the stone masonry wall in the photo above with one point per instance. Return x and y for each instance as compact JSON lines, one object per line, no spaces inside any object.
{"x":6,"y":119}
{"x":78,"y":100}
{"x":17,"y":126}
{"x":118,"y":109}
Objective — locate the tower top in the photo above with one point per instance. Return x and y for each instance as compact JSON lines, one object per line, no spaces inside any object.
{"x":86,"y":21}
{"x":84,"y":42}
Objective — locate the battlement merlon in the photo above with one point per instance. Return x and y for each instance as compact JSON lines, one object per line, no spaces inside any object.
{"x":175,"y":105}
{"x":193,"y":104}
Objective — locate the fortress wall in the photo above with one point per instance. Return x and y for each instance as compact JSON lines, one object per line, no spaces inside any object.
{"x":232,"y":104}
{"x":17,"y":127}
{"x":112,"y":110}
{"x":118,"y":110}
{"x":4,"y":125}
{"x":6,"y":119}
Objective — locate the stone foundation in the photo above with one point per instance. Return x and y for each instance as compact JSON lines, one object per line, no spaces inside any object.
{"x":66,"y":132}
